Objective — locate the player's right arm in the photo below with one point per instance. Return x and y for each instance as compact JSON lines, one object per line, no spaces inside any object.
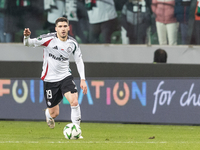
{"x":27,"y":40}
{"x":33,"y":42}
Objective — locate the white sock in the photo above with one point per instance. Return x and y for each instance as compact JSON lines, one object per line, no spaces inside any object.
{"x":48,"y":114}
{"x":76,"y":114}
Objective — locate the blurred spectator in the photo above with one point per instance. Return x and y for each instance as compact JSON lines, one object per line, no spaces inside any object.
{"x":76,"y":13}
{"x":11,"y":19}
{"x":83,"y":18}
{"x":20,"y":14}
{"x":136,"y":18}
{"x":166,"y":23}
{"x":160,"y":56}
{"x":194,"y":23}
{"x":55,"y":9}
{"x":32,"y":11}
{"x":119,"y":4}
{"x":103,"y":20}
{"x":182,"y":9}
{"x":153,"y":35}
{"x":198,"y":9}
{"x":4,"y":37}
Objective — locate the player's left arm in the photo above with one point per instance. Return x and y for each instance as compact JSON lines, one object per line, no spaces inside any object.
{"x":81,"y":68}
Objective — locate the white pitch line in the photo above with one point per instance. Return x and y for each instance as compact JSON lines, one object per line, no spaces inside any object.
{"x":2,"y":142}
{"x":91,"y":142}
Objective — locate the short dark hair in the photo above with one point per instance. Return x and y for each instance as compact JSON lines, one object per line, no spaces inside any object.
{"x":160,"y":56}
{"x":62,"y":19}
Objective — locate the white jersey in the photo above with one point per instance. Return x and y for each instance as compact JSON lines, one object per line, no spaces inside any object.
{"x":56,"y":56}
{"x":104,"y":11}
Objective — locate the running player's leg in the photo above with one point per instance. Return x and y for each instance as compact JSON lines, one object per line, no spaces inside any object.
{"x":75,"y":107}
{"x":53,"y":96}
{"x":69,"y":90}
{"x":50,"y":114}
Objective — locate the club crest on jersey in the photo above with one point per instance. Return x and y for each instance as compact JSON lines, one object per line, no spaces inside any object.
{"x":69,"y":49}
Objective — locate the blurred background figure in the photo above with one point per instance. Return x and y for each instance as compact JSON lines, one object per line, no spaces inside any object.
{"x":194,"y":23}
{"x":160,"y":56}
{"x":123,"y":33}
{"x":32,"y":16}
{"x":10,"y":20}
{"x":76,"y":13}
{"x":166,"y":23}
{"x":22,"y":13}
{"x":198,"y":9}
{"x":4,"y":37}
{"x":119,"y":4}
{"x":55,"y":9}
{"x":103,"y":20}
{"x":181,"y":12}
{"x":135,"y":19}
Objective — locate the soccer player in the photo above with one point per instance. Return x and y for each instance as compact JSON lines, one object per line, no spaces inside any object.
{"x":56,"y":74}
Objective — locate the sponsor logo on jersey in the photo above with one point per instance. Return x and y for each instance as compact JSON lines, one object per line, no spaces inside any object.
{"x":60,"y":58}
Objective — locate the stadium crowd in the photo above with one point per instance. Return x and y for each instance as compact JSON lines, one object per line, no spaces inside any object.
{"x":164,"y":22}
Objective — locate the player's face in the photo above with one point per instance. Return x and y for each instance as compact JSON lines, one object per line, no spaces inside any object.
{"x":62,"y":29}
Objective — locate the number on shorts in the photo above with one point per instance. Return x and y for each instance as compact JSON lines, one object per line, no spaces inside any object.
{"x":49,"y":94}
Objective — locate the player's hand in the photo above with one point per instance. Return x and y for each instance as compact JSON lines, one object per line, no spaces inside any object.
{"x":27,"y":32}
{"x":83,"y":86}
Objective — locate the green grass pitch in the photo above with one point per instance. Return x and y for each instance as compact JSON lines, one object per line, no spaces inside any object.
{"x":33,"y":135}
